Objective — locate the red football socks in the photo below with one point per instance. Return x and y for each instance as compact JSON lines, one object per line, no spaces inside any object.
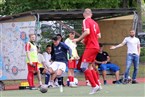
{"x":95,"y":77}
{"x":90,"y":77}
{"x":71,"y":78}
{"x":30,"y":79}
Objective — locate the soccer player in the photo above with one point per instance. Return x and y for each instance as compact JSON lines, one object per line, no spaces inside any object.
{"x":44,"y":62}
{"x":133,"y":53}
{"x":47,"y":57}
{"x":32,"y":60}
{"x":60,"y":38}
{"x":89,"y":37}
{"x":41,"y":64}
{"x":72,"y":61}
{"x":59,"y":58}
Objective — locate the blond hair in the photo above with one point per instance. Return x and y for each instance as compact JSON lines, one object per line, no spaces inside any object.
{"x":88,"y":11}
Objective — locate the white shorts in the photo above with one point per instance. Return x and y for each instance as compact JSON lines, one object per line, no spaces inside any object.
{"x":58,"y":65}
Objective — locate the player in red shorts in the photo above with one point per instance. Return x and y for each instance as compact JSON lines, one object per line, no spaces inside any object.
{"x":32,"y":61}
{"x":89,"y":37}
{"x":72,"y":62}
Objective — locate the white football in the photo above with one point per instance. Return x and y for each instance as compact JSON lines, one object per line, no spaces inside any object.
{"x":43,"y":88}
{"x":76,"y":81}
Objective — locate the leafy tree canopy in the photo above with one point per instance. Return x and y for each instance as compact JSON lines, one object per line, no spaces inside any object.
{"x":17,"y":6}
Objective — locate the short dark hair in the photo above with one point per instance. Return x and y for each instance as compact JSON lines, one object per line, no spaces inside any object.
{"x":48,"y":46}
{"x":72,"y":32}
{"x":100,"y":44}
{"x":59,"y":35}
{"x":55,"y":38}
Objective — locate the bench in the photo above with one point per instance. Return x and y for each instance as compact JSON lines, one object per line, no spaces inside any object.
{"x":100,"y":72}
{"x":75,"y":70}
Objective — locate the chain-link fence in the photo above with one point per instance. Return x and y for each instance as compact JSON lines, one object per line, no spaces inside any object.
{"x":50,"y":28}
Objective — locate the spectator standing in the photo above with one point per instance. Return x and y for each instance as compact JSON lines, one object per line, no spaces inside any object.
{"x":133,"y":53}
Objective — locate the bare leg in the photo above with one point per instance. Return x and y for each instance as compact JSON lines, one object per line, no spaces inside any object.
{"x":39,"y":77}
{"x":117,"y":75}
{"x":53,"y":76}
{"x":69,"y":72}
{"x":104,"y":74}
{"x":57,"y":73}
{"x":90,"y":66}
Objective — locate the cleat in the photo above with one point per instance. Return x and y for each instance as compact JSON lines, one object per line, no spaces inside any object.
{"x":105,"y":82}
{"x":134,"y":82}
{"x":100,"y":88}
{"x":117,"y":82}
{"x":33,"y":88}
{"x":125,"y":81}
{"x":94,"y":90}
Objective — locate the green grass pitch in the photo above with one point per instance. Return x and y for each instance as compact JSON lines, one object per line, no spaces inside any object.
{"x":129,"y":90}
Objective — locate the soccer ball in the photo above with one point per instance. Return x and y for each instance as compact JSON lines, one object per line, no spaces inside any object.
{"x":75,"y":81}
{"x":43,"y":88}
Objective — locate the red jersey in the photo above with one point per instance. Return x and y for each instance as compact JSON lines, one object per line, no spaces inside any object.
{"x":91,"y":40}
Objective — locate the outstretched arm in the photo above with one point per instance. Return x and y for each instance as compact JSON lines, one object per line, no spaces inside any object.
{"x":117,"y":46}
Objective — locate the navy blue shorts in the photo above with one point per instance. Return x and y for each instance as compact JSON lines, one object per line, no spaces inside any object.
{"x":110,"y":66}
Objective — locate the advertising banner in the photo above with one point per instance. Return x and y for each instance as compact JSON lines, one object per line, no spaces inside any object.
{"x":13,"y":37}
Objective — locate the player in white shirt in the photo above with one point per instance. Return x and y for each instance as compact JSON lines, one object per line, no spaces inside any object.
{"x":72,"y":62}
{"x":47,"y":57}
{"x":41,"y":64}
{"x":133,"y":53}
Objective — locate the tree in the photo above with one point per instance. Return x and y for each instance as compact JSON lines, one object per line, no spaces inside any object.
{"x":10,"y":7}
{"x":128,"y":3}
{"x":17,"y":6}
{"x":139,"y":16}
{"x":143,"y":15}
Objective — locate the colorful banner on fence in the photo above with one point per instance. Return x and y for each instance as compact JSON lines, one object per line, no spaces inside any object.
{"x":13,"y":37}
